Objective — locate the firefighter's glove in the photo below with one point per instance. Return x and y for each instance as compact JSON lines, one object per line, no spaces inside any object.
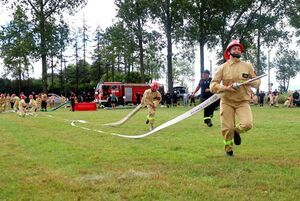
{"x":235,"y":86}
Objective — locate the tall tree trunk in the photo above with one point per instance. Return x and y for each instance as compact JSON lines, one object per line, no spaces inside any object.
{"x":77,"y":68}
{"x":52,"y":74}
{"x":201,"y":44}
{"x":258,"y":53}
{"x":65,"y":76}
{"x":43,"y":52}
{"x":258,"y":58}
{"x":19,"y":77}
{"x":113,"y":71}
{"x":140,"y":39}
{"x":61,"y":69}
{"x":106,"y":71}
{"x":169,"y":48}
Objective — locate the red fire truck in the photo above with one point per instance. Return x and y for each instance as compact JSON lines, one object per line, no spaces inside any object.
{"x":126,"y":93}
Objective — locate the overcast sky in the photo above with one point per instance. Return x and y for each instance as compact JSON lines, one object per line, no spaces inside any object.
{"x":102,"y":12}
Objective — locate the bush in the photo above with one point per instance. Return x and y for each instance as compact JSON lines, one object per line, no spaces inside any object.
{"x":282,"y":98}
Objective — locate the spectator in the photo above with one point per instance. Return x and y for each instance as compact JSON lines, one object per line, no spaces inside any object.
{"x":275,"y":97}
{"x":296,"y":98}
{"x":168,"y":100}
{"x":185,"y":99}
{"x":261,"y":98}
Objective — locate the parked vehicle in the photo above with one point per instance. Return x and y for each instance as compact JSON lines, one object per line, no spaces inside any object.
{"x":126,"y":93}
{"x":180,"y":90}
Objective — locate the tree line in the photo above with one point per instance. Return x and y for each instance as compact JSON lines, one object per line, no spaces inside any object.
{"x":149,"y":40}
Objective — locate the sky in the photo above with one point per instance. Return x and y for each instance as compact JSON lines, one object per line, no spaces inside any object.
{"x":102,"y":13}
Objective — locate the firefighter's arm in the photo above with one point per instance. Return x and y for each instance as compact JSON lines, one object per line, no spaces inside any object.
{"x":157,"y":99}
{"x":146,"y":99}
{"x":197,"y":88}
{"x":215,"y":86}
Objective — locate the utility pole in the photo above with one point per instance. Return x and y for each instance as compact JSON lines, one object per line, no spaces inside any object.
{"x":65,"y":80}
{"x":269,"y":80}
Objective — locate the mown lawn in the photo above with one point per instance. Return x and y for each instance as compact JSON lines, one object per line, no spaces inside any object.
{"x":45,"y":158}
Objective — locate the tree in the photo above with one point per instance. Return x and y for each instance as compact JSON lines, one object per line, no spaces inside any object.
{"x":17,"y":45}
{"x":294,"y":16}
{"x":170,"y":15}
{"x":183,"y":71}
{"x":41,"y":11}
{"x":203,"y":18}
{"x":287,"y":66}
{"x":135,"y":14}
{"x":250,"y":20}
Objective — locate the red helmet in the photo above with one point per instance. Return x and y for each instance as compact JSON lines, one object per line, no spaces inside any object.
{"x":154,"y":85}
{"x":233,"y":43}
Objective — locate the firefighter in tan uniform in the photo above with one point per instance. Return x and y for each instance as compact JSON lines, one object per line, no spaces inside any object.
{"x":151,"y":99}
{"x":7,"y":104}
{"x":2,"y":103}
{"x":16,"y":100}
{"x":235,"y":101}
{"x":38,"y":100}
{"x":32,"y":104}
{"x":22,"y":106}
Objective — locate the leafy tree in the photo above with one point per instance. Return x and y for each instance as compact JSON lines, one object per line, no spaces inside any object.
{"x":247,"y":20}
{"x":183,"y":71}
{"x":294,"y":16}
{"x":170,"y":15}
{"x":135,"y":14}
{"x":17,"y":45}
{"x":41,"y":11}
{"x":287,"y":65}
{"x":203,"y":20}
{"x":97,"y":68}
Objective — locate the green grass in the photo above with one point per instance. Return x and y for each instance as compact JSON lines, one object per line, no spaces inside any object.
{"x":43,"y":158}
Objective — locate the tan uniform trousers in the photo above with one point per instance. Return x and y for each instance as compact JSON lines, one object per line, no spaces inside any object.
{"x":152,"y":111}
{"x":229,"y":111}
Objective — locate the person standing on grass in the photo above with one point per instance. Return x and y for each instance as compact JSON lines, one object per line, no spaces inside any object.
{"x":192,"y":101}
{"x":72,"y":101}
{"x":16,"y":100}
{"x":22,"y":106}
{"x":113,"y":100}
{"x":2,"y":103}
{"x":151,"y":100}
{"x":261,"y":98}
{"x":275,"y":97}
{"x":44,"y":99}
{"x":205,"y":94}
{"x":185,"y":99}
{"x":235,"y":101}
{"x":296,"y":99}
{"x":7,"y":105}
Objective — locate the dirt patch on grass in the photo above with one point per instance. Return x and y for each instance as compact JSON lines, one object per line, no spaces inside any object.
{"x":131,"y":174}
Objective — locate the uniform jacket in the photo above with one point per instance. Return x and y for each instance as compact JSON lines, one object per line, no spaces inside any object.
{"x":234,"y":70}
{"x":150,"y":96}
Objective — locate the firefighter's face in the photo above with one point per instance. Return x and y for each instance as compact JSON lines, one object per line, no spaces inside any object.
{"x":236,"y":50}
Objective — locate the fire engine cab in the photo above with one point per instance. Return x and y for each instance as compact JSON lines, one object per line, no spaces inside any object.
{"x":126,"y":93}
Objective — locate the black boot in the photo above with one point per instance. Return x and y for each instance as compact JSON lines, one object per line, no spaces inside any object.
{"x":208,"y":122}
{"x":229,"y":153}
{"x":237,"y":138}
{"x":147,"y":121}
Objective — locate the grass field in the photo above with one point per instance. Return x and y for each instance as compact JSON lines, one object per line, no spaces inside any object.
{"x":45,"y":158}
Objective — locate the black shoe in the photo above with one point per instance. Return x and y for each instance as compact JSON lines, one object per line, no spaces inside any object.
{"x":208,"y":122}
{"x":229,"y":153}
{"x":147,"y":121}
{"x":237,"y":138}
